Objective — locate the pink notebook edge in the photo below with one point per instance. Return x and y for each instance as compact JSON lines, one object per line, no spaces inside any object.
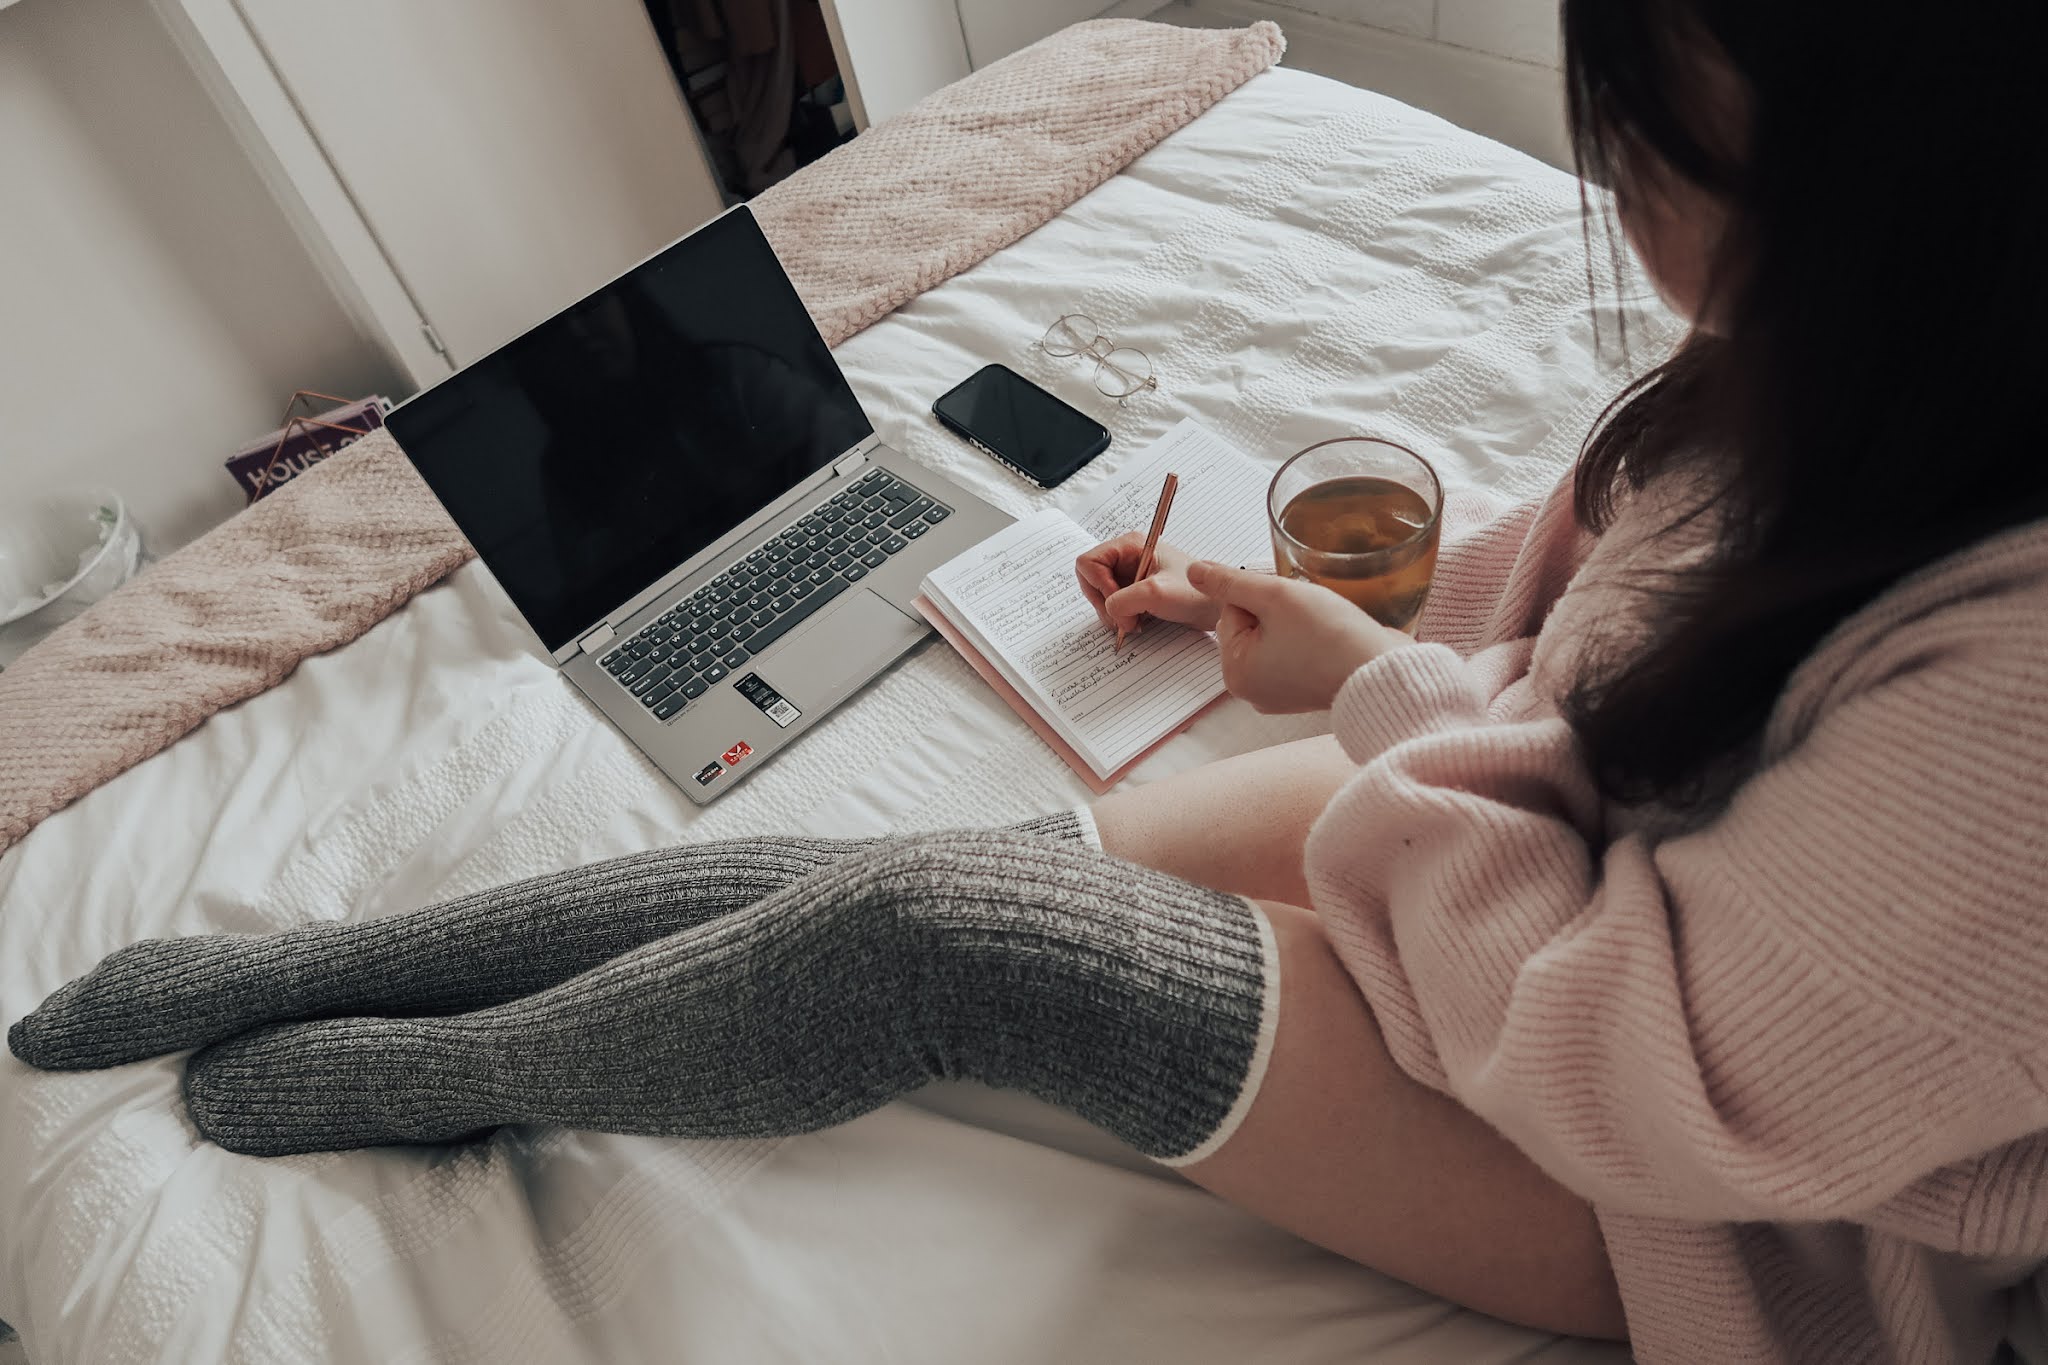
{"x":1029,"y":713}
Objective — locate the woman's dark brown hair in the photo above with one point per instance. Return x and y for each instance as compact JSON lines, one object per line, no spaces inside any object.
{"x":1871,"y":402}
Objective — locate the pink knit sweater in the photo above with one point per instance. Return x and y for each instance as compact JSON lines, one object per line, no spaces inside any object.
{"x":1795,"y":1055}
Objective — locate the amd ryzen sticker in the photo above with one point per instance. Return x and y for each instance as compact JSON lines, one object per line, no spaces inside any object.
{"x":709,"y":773}
{"x":773,"y":704}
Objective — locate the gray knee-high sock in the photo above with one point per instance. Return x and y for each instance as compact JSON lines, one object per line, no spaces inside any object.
{"x":166,"y":995}
{"x":1141,"y":1002}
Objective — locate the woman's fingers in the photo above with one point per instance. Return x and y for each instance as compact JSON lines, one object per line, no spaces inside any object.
{"x":1108,"y":567}
{"x":1246,"y":588}
{"x":1288,"y":645}
{"x":1110,"y":570}
{"x":1166,"y":595}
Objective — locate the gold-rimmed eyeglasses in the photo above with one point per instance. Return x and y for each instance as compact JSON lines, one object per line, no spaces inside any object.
{"x":1121,"y":372}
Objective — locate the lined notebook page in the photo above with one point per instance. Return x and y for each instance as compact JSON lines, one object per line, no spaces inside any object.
{"x":1015,"y":597}
{"x":1219,"y":510}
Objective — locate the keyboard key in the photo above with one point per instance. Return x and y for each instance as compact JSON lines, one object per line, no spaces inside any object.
{"x":616,"y":662}
{"x":640,"y":669}
{"x":938,"y":514}
{"x":669,"y":707}
{"x":660,"y":651}
{"x":856,"y":572}
{"x":819,"y":575}
{"x":657,"y":695}
{"x":737,"y":657}
{"x":916,"y":529}
{"x":714,"y":674}
{"x":877,"y":535}
{"x":906,"y":516}
{"x":747,"y":628}
{"x":782,"y":603}
{"x":874,"y":559}
{"x":721,"y":629}
{"x":701,"y":662}
{"x":812,"y":602}
{"x":837,"y":547}
{"x":875,"y":518}
{"x":894,"y":543}
{"x":803,"y":589}
{"x":651,"y":681}
{"x":839,"y":563}
{"x":761,"y":618}
{"x":694,"y":688}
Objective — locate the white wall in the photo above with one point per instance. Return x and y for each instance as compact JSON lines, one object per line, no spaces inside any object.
{"x":155,"y":308}
{"x":1521,"y":30}
{"x":1488,"y":65}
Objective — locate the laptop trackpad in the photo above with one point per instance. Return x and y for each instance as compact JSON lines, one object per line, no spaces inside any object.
{"x":843,"y":649}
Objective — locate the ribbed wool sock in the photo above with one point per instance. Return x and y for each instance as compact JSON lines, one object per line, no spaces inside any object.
{"x":1138,"y":1001}
{"x":166,"y":995}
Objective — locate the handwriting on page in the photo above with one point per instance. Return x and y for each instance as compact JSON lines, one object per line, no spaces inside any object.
{"x":1022,"y":593}
{"x":1022,"y":597}
{"x":1219,"y":511}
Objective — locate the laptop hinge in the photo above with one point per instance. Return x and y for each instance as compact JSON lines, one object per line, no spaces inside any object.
{"x":597,"y":639}
{"x":847,"y":463}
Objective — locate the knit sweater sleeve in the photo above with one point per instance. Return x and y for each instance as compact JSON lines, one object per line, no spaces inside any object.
{"x":1793,"y":1012}
{"x":1501,"y":567}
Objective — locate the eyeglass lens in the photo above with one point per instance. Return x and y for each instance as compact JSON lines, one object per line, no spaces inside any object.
{"x":1072,"y":335}
{"x":1123,"y":372}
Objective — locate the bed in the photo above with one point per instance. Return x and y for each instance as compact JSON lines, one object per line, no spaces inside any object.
{"x":1304,"y":259}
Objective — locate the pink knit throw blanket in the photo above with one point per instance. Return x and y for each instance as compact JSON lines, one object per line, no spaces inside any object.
{"x":899,"y":209}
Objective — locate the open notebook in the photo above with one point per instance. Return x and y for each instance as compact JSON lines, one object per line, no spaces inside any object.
{"x":1013,"y":609}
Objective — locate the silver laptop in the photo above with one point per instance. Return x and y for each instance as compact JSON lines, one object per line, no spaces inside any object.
{"x":679,"y":492}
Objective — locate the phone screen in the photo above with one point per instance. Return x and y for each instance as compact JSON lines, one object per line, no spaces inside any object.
{"x":1022,"y":425}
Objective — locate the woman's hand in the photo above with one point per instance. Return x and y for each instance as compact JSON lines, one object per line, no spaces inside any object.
{"x":1288,"y":644}
{"x":1106,"y":573}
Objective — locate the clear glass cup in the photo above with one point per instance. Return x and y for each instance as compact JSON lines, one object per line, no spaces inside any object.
{"x":1360,"y":516}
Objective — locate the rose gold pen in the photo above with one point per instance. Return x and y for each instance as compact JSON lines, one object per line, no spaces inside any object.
{"x":1146,"y":558}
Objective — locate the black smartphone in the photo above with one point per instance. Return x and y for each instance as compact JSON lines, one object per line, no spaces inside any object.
{"x":1003,"y":414}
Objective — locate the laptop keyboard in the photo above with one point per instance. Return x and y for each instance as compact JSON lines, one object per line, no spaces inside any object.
{"x":755,"y":601}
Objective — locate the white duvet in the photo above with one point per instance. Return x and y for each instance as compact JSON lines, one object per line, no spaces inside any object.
{"x":1306,"y":259}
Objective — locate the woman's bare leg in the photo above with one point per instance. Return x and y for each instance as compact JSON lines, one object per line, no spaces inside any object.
{"x":1236,"y":825}
{"x":1340,"y":1146}
{"x":1342,"y":1149}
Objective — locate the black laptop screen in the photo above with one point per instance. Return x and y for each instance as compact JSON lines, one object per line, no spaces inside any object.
{"x":603,"y":448}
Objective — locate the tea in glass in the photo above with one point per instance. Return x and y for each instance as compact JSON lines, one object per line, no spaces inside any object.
{"x":1361,"y":517}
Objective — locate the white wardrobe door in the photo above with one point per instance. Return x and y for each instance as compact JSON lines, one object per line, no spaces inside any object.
{"x":509,"y":155}
{"x":893,"y":53}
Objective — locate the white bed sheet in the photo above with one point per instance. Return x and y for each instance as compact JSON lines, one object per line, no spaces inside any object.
{"x":1305,"y":259}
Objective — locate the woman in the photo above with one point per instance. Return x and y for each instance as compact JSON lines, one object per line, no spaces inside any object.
{"x":1676,"y":957}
